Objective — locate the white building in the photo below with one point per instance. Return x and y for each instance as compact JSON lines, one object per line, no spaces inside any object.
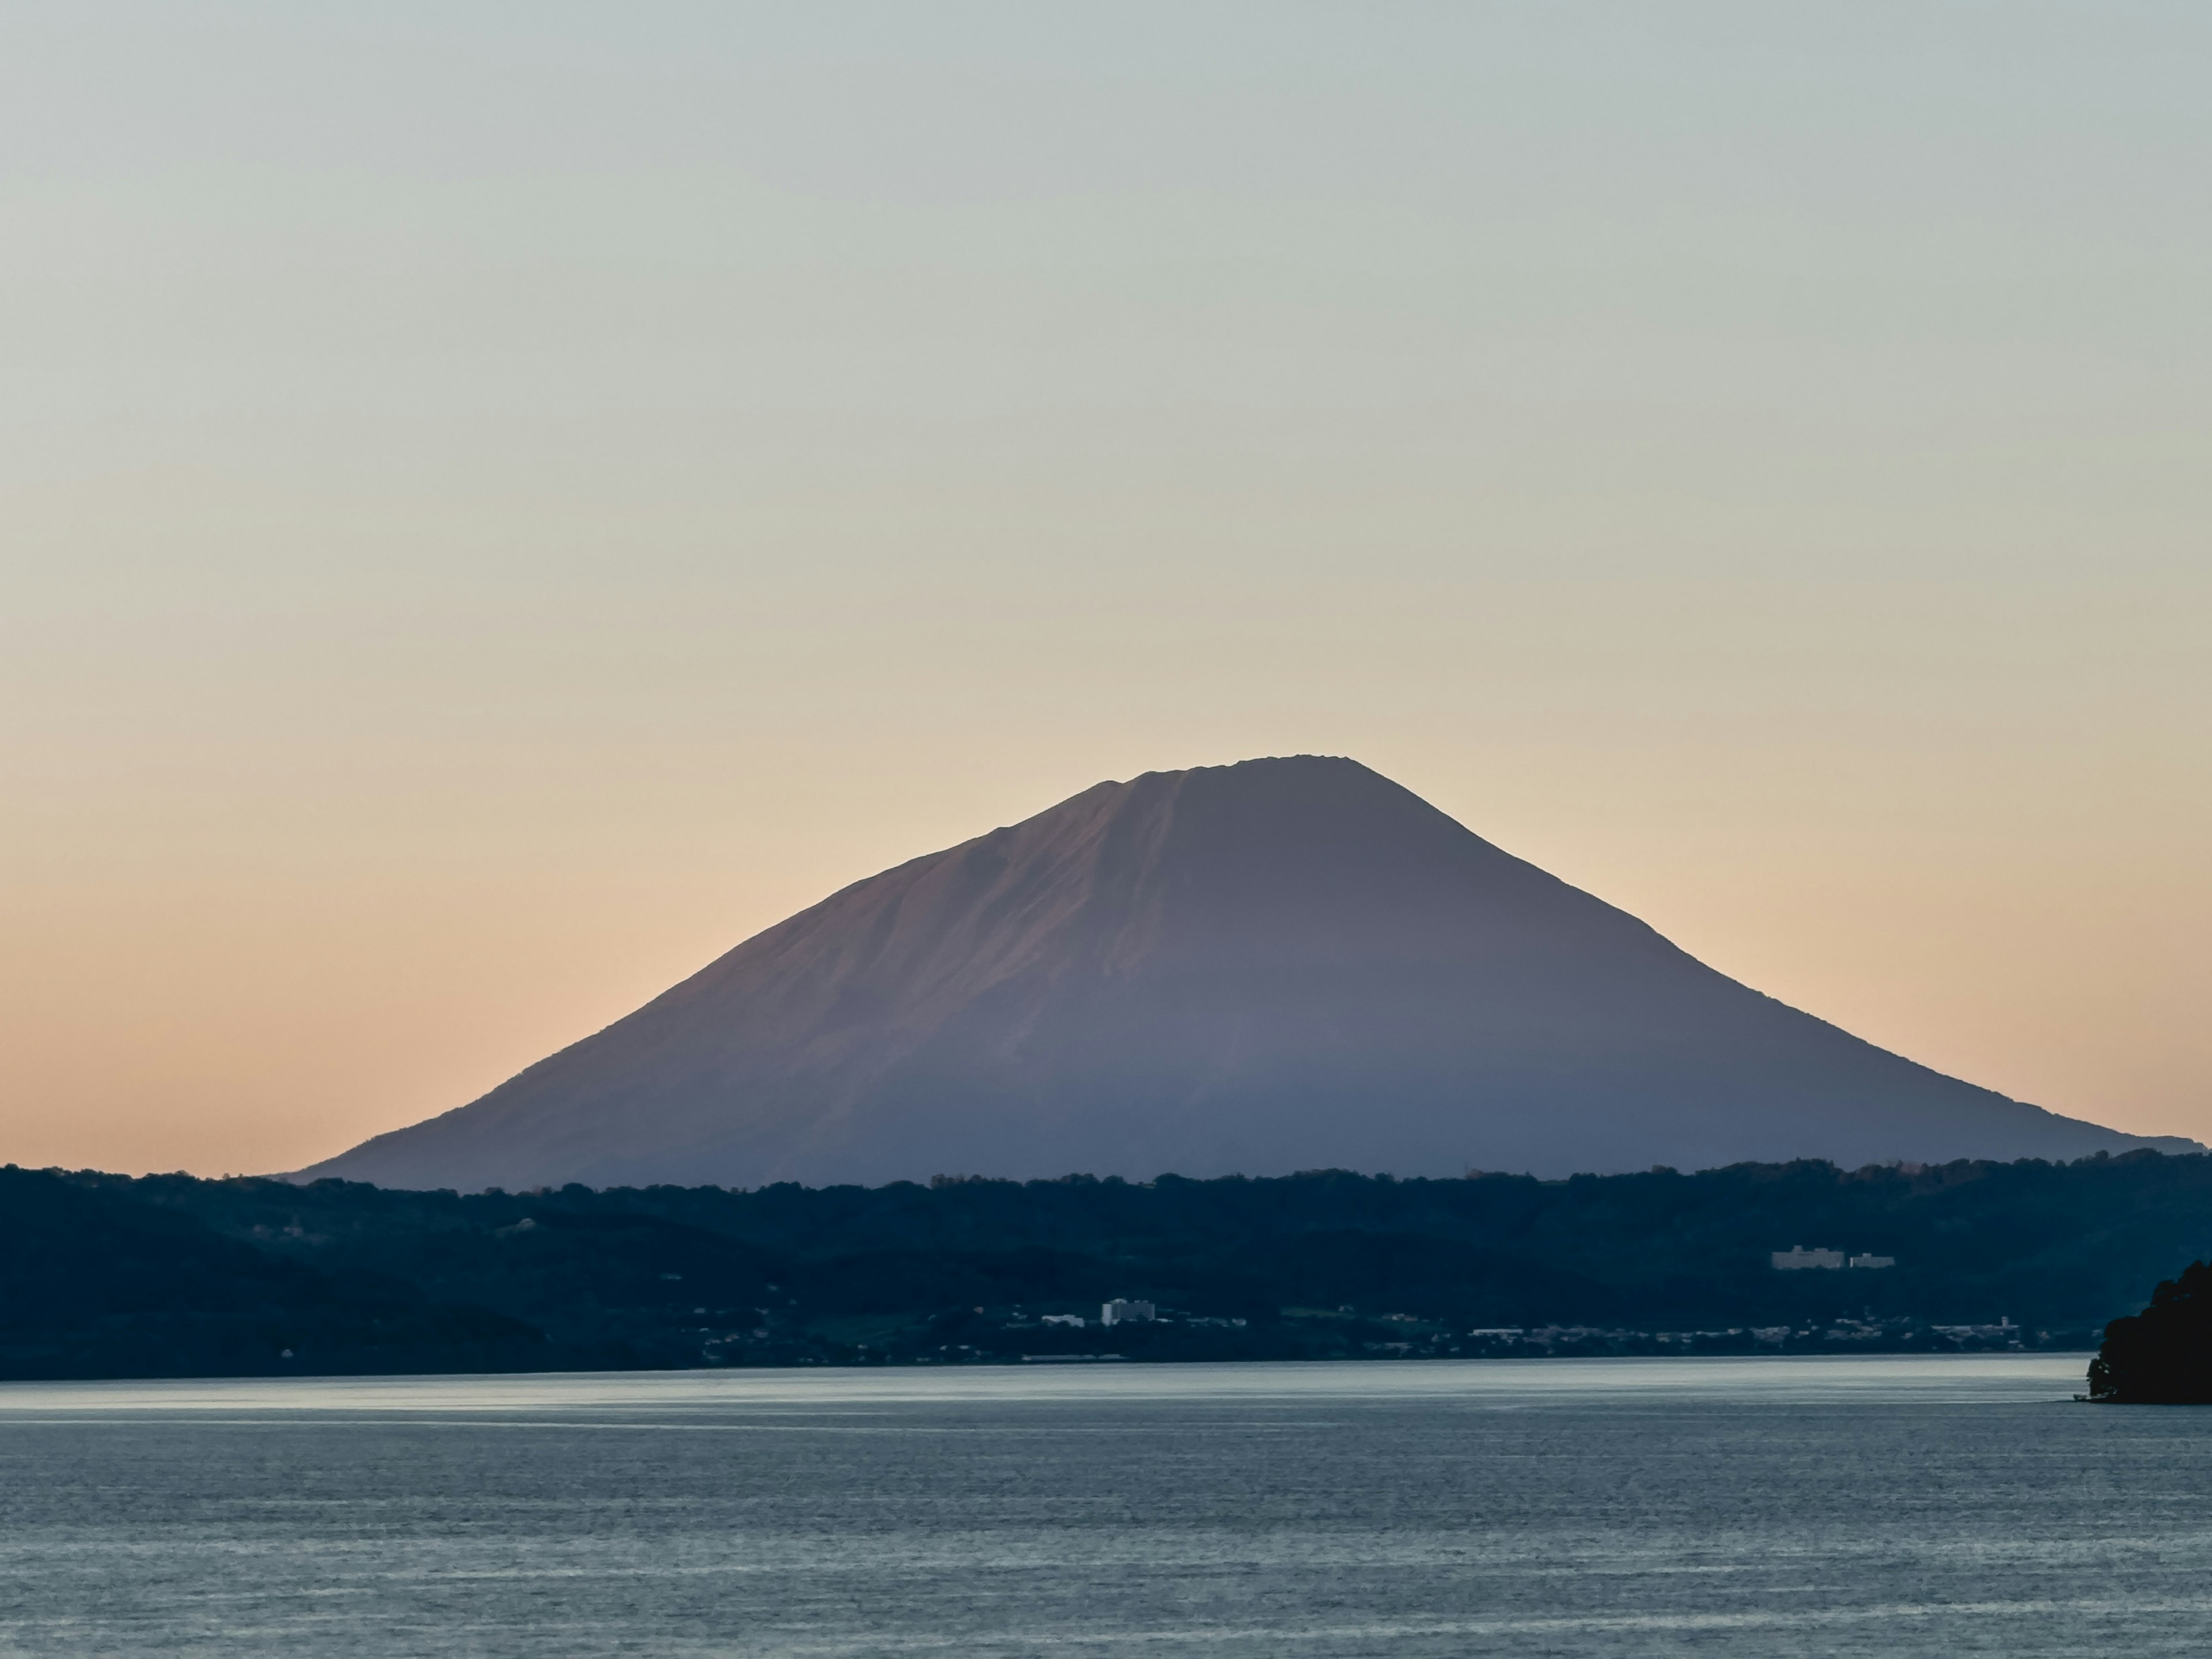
{"x":1118,"y":1312}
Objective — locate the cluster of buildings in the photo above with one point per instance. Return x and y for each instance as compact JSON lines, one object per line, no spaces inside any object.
{"x":1797,"y":1257}
{"x":1119,"y":1311}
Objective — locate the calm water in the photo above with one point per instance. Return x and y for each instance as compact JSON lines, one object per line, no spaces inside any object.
{"x":1877,"y":1506}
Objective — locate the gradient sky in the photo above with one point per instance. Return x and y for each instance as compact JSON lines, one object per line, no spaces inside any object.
{"x":498,"y":502}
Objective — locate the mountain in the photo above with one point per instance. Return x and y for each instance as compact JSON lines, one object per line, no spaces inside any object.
{"x":1279,"y":965}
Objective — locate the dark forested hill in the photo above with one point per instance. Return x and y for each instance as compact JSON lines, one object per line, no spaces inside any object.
{"x":169,"y":1274}
{"x":95,"y":1282}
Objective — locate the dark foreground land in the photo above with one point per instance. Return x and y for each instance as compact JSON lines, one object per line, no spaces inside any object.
{"x":2163,"y":1355}
{"x":107,"y":1276}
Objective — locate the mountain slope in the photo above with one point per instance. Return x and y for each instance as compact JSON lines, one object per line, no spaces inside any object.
{"x":1283,"y":964}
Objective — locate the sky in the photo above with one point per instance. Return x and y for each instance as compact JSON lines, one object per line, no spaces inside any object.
{"x":499,"y":502}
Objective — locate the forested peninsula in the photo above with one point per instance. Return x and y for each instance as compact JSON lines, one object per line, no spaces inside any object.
{"x":2163,"y":1355}
{"x":104,"y":1275}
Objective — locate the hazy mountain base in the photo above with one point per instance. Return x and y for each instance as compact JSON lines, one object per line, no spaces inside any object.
{"x":168,"y":1275}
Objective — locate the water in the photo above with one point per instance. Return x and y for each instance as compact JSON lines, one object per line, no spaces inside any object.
{"x":1875,"y":1506}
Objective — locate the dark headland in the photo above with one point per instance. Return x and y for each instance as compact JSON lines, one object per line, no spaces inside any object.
{"x":2163,"y":1355}
{"x":1281,"y":965}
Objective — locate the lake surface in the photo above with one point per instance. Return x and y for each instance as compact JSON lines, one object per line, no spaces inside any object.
{"x":1874,"y":1505}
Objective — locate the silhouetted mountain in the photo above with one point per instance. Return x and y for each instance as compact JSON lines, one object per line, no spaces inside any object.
{"x":1279,"y":965}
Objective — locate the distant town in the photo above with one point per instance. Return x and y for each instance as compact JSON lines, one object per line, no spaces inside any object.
{"x":994,"y":1337}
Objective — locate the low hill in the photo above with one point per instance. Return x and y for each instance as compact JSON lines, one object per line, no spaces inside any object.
{"x":95,"y":1284}
{"x":1328,"y":1265}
